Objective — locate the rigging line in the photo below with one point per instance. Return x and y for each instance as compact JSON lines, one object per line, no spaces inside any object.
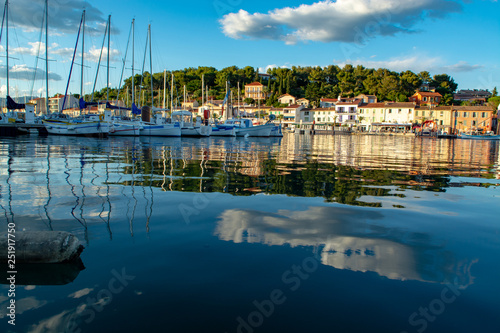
{"x":124,"y":61}
{"x":3,"y":19}
{"x":17,"y":38}
{"x":143,"y":64}
{"x":100,"y":56}
{"x":72,"y":62}
{"x":37,"y":54}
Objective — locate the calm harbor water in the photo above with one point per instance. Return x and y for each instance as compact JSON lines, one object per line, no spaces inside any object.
{"x":299,"y":234}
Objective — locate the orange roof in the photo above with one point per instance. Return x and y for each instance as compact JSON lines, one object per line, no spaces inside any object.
{"x":254,"y":84}
{"x":428,"y":94}
{"x":329,"y":100}
{"x":294,"y":106}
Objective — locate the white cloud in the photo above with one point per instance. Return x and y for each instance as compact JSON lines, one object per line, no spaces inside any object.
{"x":94,"y":52}
{"x":462,"y":66}
{"x":64,"y":16}
{"x":23,"y":72}
{"x":415,"y":63}
{"x":339,"y":21}
{"x":264,"y":70}
{"x":32,"y":50}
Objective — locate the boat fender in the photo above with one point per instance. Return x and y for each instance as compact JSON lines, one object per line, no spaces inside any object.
{"x":101,"y":117}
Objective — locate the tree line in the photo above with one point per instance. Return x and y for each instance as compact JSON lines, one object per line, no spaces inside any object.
{"x":309,"y":82}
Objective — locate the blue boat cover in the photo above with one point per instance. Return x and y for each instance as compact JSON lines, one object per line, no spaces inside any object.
{"x":12,"y":105}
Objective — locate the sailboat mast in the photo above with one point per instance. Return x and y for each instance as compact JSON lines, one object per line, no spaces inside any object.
{"x":46,"y":56}
{"x":7,"y":41}
{"x":151,"y":66}
{"x":83,"y":54}
{"x":133,"y":79}
{"x":172,"y":95}
{"x":164,"y":86}
{"x":202,"y":84}
{"x":107,"y":75}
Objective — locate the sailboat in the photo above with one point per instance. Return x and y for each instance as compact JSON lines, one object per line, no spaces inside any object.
{"x":10,"y":116}
{"x":244,"y":126}
{"x":122,"y":125}
{"x":159,"y":126}
{"x":61,"y":124}
{"x":184,"y":119}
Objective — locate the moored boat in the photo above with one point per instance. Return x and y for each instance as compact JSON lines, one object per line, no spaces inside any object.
{"x":245,"y":127}
{"x":479,"y":136}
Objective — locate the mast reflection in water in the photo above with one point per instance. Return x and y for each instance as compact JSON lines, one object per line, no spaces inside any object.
{"x":198,"y":230}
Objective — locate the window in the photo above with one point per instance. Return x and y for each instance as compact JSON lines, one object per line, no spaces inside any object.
{"x":465,"y":122}
{"x":465,"y":114}
{"x":483,"y":114}
{"x":416,"y":113}
{"x":441,"y":122}
{"x":390,"y":110}
{"x":473,"y":115}
{"x":473,"y":123}
{"x":423,"y":113}
{"x":399,"y":111}
{"x":306,"y":113}
{"x":409,"y":112}
{"x":441,"y":114}
{"x":425,"y":99}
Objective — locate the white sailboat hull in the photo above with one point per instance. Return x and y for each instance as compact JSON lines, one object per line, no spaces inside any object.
{"x":161,"y":130}
{"x":196,"y":131}
{"x":124,"y":128}
{"x":77,"y":128}
{"x":259,"y":130}
{"x":221,"y":130}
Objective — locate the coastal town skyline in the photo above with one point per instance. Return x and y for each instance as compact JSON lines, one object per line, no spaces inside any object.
{"x":399,"y":36}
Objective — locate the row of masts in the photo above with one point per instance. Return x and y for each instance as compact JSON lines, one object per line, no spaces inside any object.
{"x":107,"y":34}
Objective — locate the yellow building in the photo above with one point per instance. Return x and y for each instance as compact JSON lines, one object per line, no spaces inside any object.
{"x":256,"y":91}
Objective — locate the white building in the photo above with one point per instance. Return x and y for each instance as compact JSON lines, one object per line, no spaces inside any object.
{"x":347,"y":112}
{"x":386,"y":114}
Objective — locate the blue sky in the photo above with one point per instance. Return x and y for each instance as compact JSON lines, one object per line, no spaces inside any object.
{"x":460,"y":38}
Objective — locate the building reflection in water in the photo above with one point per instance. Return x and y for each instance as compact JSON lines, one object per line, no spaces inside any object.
{"x":351,"y":239}
{"x":73,"y":182}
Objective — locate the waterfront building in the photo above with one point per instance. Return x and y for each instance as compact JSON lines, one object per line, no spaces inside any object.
{"x":346,"y":113}
{"x":291,"y":112}
{"x":327,"y":102}
{"x":323,"y":115}
{"x":190,"y":105}
{"x":426,"y":98}
{"x":374,"y":116}
{"x":474,"y":96}
{"x":256,"y":91}
{"x":55,"y":103}
{"x":474,"y":117}
{"x":367,"y":98}
{"x":303,"y":101}
{"x":278,"y":112}
{"x":287,"y":99}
